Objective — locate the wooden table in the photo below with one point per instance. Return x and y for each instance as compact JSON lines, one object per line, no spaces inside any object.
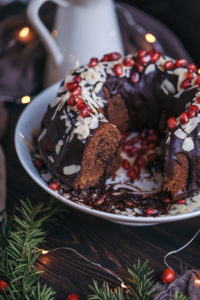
{"x":114,"y":246}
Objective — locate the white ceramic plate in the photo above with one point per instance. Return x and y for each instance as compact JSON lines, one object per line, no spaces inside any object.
{"x":31,"y":118}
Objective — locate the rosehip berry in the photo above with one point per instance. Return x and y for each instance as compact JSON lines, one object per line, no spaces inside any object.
{"x":77,"y":79}
{"x":132,"y":175}
{"x":72,"y":100}
{"x":184,"y":118}
{"x":70,"y":86}
{"x":168,"y":65}
{"x":38,"y":163}
{"x":85,"y":111}
{"x":129,"y":61}
{"x":171,"y":123}
{"x":192,"y":67}
{"x":151,"y":211}
{"x":118,"y":70}
{"x":3,"y":285}
{"x":93,"y":62}
{"x":73,"y":297}
{"x":185,"y":84}
{"x":168,"y":275}
{"x":77,"y":90}
{"x":126,"y":164}
{"x":54,"y":186}
{"x":155,"y":56}
{"x":80,"y":104}
{"x":134,"y":77}
{"x":180,"y":63}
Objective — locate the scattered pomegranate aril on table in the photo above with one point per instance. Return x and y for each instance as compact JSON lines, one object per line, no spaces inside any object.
{"x":152,"y":212}
{"x":54,"y":186}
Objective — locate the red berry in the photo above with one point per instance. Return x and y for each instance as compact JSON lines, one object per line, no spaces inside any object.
{"x":192,"y":111}
{"x":54,"y":186}
{"x":190,"y":75}
{"x":168,"y":65}
{"x":105,"y":58}
{"x":118,"y":70}
{"x":168,"y":275}
{"x":145,"y":59}
{"x":151,"y":211}
{"x":126,"y":164}
{"x":198,"y":100}
{"x":73,"y":297}
{"x":85,"y":111}
{"x":93,"y":62}
{"x":197,"y":80}
{"x":129,"y":61}
{"x":3,"y":285}
{"x":139,"y":67}
{"x":181,"y":201}
{"x":77,"y":79}
{"x":180,"y":63}
{"x":70,"y":86}
{"x":171,"y":123}
{"x":136,"y":169}
{"x":192,"y":67}
{"x":72,"y":100}
{"x":184,"y":118}
{"x":141,"y":161}
{"x":166,"y":200}
{"x":185,"y":84}
{"x":39,"y":163}
{"x":141,"y":53}
{"x":114,"y":56}
{"x":77,"y":90}
{"x":80,"y":104}
{"x":134,"y":77}
{"x":155,"y":56}
{"x":132,"y":175}
{"x":191,"y":114}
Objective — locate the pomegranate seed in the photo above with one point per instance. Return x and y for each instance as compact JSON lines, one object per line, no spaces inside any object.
{"x":145,"y":59}
{"x":132,"y":152}
{"x":93,"y":62}
{"x":184,"y":118}
{"x":126,"y":164}
{"x":166,"y":200}
{"x":168,"y":275}
{"x":85,"y":111}
{"x":136,"y":169}
{"x":171,"y":123}
{"x":105,"y":58}
{"x":77,"y":90}
{"x":118,"y":70}
{"x":139,"y":67}
{"x":141,"y":53}
{"x":180,"y":63}
{"x":191,"y":113}
{"x":77,"y":79}
{"x":194,"y":108}
{"x":198,"y":100}
{"x":168,"y":65}
{"x":192,"y":67}
{"x":54,"y":186}
{"x":141,"y":161}
{"x":155,"y":56}
{"x":73,"y":297}
{"x":114,"y":56}
{"x":197,"y":81}
{"x":72,"y":100}
{"x":70,"y":86}
{"x":190,"y":75}
{"x":129,"y":61}
{"x":151,"y":211}
{"x":185,"y":84}
{"x":80,"y":104}
{"x":38,"y":163}
{"x":152,"y":156}
{"x":181,"y":201}
{"x":132,"y":175}
{"x":134,"y":77}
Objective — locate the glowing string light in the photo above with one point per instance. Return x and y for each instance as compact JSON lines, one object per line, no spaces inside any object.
{"x":43,"y":252}
{"x":150,"y":38}
{"x":25,"y":34}
{"x":25,"y":99}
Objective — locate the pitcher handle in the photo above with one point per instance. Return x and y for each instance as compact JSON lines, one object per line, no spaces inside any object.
{"x":49,"y":42}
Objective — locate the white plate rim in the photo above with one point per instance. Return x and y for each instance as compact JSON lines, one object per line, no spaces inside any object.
{"x":105,"y":215}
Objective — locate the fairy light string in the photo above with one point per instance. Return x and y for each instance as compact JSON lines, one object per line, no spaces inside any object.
{"x":180,"y":249}
{"x":108,"y":271}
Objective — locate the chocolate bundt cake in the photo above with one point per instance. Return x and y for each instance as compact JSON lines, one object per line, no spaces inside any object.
{"x":80,"y":138}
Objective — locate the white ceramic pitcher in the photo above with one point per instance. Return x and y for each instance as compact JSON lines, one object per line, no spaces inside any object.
{"x":85,"y":29}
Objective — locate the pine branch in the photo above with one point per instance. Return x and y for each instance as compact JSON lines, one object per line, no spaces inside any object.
{"x":142,"y":282}
{"x":106,"y":293}
{"x":18,"y":251}
{"x":178,"y":296}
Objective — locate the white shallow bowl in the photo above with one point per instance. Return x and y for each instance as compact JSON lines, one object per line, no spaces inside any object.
{"x":31,"y":118}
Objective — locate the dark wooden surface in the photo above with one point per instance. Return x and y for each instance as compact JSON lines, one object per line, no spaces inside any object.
{"x":114,"y":246}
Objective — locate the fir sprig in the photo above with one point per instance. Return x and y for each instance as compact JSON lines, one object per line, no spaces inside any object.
{"x":18,"y":254}
{"x":178,"y":296}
